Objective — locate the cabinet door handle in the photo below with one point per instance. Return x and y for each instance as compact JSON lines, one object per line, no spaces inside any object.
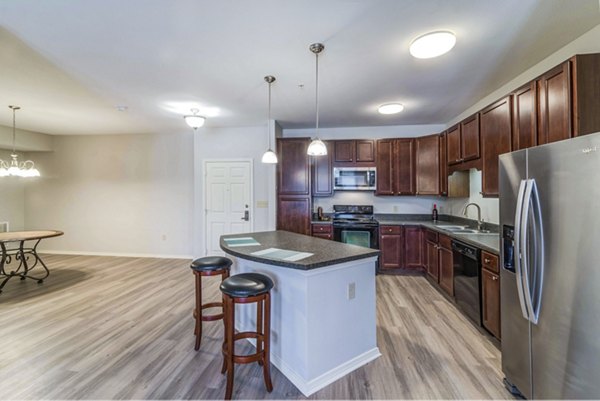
{"x":486,"y":260}
{"x":494,"y":278}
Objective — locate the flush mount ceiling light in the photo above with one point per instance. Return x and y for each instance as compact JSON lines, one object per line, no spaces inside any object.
{"x":16,"y":168}
{"x":432,"y":44}
{"x":317,"y":147}
{"x":390,"y":108}
{"x":194,"y":120}
{"x":269,"y":156}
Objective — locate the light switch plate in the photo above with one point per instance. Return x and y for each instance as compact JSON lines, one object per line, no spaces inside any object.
{"x":262,"y":204}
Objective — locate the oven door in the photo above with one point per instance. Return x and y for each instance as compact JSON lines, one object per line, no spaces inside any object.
{"x":366,"y":236}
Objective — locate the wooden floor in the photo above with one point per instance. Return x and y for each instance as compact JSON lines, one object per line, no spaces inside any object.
{"x":122,"y":328}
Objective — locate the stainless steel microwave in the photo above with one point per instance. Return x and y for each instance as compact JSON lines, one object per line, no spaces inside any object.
{"x":354,"y":178}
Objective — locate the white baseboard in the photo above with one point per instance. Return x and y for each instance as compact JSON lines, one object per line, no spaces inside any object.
{"x":312,"y":386}
{"x":119,"y":254}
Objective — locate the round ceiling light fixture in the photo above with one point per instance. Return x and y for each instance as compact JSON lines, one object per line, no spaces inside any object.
{"x":432,"y":44}
{"x":390,"y":108}
{"x":194,"y":120}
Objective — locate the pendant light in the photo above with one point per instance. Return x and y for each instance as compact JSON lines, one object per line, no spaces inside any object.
{"x":16,"y":168}
{"x":317,"y":147}
{"x":194,"y":120}
{"x":269,"y":156}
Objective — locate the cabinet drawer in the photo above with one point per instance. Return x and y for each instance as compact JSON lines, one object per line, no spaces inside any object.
{"x":321,"y":228}
{"x":445,"y":242}
{"x":489,"y":261}
{"x":431,"y":236}
{"x":390,"y":230}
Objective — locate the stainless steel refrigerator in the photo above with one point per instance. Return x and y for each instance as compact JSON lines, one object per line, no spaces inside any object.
{"x":550,"y":275}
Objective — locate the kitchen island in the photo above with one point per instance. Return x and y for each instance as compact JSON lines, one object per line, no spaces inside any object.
{"x":323,"y":319}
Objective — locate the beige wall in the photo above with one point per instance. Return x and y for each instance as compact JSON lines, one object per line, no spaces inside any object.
{"x":115,"y":194}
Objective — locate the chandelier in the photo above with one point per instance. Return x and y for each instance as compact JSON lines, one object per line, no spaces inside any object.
{"x":15,"y":167}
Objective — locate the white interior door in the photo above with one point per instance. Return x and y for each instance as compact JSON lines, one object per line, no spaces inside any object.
{"x":228,"y":196}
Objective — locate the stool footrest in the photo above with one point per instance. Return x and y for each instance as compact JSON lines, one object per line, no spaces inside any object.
{"x":250,"y":358}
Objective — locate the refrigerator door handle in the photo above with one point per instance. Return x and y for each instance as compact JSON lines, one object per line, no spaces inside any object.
{"x":538,"y":273}
{"x":524,"y":249}
{"x":518,"y":251}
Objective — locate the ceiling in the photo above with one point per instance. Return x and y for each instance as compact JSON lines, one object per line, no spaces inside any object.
{"x":68,"y":63}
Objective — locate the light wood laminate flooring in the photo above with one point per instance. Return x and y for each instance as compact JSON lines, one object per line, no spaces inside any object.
{"x":122,"y":328}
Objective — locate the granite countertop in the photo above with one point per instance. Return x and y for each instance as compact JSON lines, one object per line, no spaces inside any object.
{"x":488,"y":242}
{"x":325,"y":252}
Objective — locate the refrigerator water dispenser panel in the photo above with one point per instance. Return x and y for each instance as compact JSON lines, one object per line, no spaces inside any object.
{"x":508,"y":245}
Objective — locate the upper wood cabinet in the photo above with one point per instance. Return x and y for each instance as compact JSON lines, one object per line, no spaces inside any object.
{"x":293,"y":169}
{"x":385,"y":172}
{"x":554,"y":94}
{"x":524,"y":102}
{"x":469,"y":138}
{"x":569,"y":99}
{"x":496,"y":135}
{"x":428,"y":165}
{"x":463,"y":141}
{"x":349,"y":152}
{"x":404,"y":166}
{"x":322,"y":172}
{"x":453,"y":144}
{"x":443,"y":164}
{"x":395,"y":166}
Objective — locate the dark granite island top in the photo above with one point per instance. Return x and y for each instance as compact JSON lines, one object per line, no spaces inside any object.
{"x":325,"y":252}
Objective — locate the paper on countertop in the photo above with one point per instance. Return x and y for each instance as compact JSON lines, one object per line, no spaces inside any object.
{"x":242,"y":241}
{"x":282,"y":254}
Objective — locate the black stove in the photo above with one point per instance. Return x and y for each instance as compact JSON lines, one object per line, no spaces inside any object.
{"x":354,"y":224}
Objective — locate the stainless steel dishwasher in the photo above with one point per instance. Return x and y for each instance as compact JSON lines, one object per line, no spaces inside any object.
{"x":467,"y":279}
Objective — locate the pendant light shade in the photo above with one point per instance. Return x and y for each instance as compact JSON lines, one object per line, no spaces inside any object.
{"x":16,"y":168}
{"x":194,"y":120}
{"x":317,"y":147}
{"x":269,"y":157}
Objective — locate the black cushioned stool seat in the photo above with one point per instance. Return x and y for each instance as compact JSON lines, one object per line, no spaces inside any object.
{"x":247,"y":288}
{"x":210,"y":263}
{"x":246,"y":285}
{"x":207,"y":266}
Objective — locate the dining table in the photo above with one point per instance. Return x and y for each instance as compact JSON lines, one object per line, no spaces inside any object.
{"x":19,"y":255}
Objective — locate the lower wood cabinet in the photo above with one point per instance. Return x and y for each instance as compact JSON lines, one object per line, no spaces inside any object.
{"x":322,"y":230}
{"x":490,"y":293}
{"x":293,"y":214}
{"x":446,"y":264}
{"x":413,"y":247}
{"x":391,"y":245}
{"x":431,"y":255}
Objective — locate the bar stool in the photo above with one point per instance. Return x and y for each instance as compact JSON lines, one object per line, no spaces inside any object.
{"x":207,"y":266}
{"x":247,"y":288}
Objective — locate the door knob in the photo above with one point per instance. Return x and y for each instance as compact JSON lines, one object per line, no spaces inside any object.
{"x":246,"y":215}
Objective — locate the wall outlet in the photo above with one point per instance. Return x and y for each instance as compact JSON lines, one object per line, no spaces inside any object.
{"x":163,"y":237}
{"x":351,"y":290}
{"x":262,"y":204}
{"x":395,"y":208}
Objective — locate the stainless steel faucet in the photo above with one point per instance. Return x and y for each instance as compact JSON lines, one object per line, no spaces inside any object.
{"x":479,"y":221}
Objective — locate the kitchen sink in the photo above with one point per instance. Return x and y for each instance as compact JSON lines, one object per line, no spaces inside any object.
{"x":465,"y":230}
